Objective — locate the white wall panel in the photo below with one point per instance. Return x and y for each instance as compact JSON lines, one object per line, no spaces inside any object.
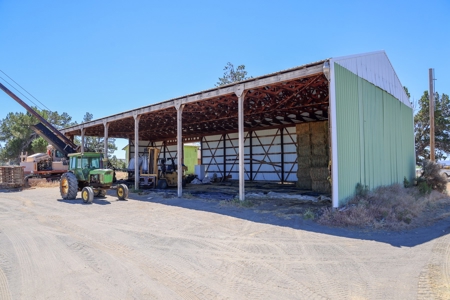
{"x":265,"y":162}
{"x":377,"y":69}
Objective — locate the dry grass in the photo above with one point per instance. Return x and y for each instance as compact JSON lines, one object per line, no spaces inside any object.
{"x":42,"y":183}
{"x":121,"y":175}
{"x":393,"y":207}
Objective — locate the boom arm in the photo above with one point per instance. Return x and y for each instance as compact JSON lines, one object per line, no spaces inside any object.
{"x":69,"y":146}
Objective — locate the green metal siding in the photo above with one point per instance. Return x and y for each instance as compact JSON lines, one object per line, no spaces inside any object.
{"x":375,"y":135}
{"x":190,"y":158}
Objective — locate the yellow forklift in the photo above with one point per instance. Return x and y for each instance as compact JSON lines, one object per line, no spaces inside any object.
{"x":161,"y":175}
{"x":168,"y":174}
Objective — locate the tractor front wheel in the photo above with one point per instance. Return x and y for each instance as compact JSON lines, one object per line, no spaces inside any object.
{"x":122,"y":191}
{"x":68,"y":186}
{"x":87,"y":193}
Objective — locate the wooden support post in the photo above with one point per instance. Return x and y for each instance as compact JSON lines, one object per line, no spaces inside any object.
{"x":224,"y":136}
{"x":282,"y":154}
{"x":201,"y":151}
{"x":240,"y":94}
{"x":82,"y":139}
{"x":250,"y":135}
{"x":333,"y":131}
{"x":136,"y":150}
{"x":179,"y":106}
{"x":105,"y":140}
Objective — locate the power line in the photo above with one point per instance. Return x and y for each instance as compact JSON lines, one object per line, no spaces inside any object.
{"x":24,"y":90}
{"x":13,"y":87}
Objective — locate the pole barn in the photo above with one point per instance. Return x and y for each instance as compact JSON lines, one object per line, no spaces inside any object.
{"x":325,"y":126}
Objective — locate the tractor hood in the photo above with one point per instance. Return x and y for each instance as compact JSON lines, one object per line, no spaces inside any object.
{"x":102,"y":171}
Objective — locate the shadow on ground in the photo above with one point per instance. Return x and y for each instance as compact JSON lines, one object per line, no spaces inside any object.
{"x":288,"y":213}
{"x":97,"y":201}
{"x":11,"y":190}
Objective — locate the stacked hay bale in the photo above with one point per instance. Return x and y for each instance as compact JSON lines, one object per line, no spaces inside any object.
{"x":320,"y":157}
{"x":304,"y":156}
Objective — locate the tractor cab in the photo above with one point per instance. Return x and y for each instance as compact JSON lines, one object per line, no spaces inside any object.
{"x":81,"y":164}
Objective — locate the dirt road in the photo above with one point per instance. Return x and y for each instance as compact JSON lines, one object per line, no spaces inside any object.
{"x":170,"y":248}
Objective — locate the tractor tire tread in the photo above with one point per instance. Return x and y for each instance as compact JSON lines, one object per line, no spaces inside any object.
{"x":90,"y":194}
{"x":73,"y":186}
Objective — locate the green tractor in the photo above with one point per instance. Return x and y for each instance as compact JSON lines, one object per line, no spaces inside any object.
{"x":86,"y":174}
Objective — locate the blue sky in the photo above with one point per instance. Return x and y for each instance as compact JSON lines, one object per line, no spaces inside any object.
{"x":105,"y":57}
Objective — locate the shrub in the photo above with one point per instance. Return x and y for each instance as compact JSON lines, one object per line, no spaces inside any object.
{"x":432,"y":177}
{"x":424,"y":187}
{"x":406,"y":182}
{"x":390,"y":207}
{"x":361,"y":190}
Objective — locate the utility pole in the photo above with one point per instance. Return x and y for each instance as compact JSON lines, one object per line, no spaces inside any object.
{"x":431,"y":95}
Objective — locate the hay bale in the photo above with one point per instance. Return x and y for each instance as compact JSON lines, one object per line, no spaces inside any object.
{"x":303,"y":162}
{"x":319,"y":161}
{"x":317,"y":127}
{"x":302,"y":128}
{"x":304,"y":139}
{"x":319,"y":133}
{"x":321,"y":186}
{"x":319,"y":174}
{"x":304,"y":150}
{"x":304,"y":184}
{"x":321,"y":150}
{"x":304,"y":173}
{"x":319,"y":138}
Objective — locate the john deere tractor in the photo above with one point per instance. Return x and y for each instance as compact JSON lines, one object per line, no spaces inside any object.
{"x":86,"y":174}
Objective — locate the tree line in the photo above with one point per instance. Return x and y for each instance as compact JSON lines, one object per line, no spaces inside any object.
{"x":17,"y":136}
{"x":441,"y":127}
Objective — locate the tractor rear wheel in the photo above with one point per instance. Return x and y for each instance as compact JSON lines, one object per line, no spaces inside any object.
{"x":122,"y":191}
{"x":87,"y":194}
{"x":68,"y":186}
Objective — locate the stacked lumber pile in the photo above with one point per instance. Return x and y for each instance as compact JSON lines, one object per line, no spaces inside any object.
{"x":11,"y":177}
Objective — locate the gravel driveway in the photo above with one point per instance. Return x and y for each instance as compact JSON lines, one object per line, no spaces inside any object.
{"x":152,"y":247}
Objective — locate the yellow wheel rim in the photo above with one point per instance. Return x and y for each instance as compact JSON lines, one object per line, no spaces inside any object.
{"x":120,"y":192}
{"x":64,"y":185}
{"x":85,"y":195}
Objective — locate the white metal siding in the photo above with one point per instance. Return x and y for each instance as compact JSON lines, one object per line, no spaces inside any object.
{"x":376,"y":68}
{"x":265,"y":160}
